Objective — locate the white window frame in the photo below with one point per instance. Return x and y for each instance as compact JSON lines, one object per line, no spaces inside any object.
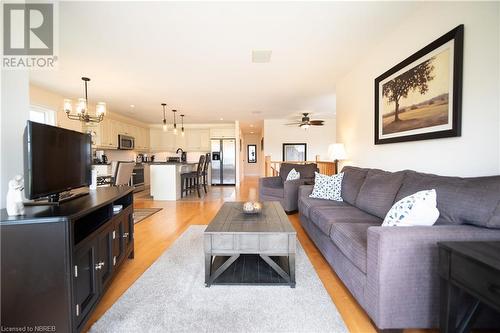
{"x":49,"y":115}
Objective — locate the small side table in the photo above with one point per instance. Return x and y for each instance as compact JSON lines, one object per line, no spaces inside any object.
{"x":473,"y":267}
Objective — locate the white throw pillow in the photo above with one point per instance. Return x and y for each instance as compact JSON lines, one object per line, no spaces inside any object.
{"x":327,"y":187}
{"x":293,"y":174}
{"x":418,"y":209}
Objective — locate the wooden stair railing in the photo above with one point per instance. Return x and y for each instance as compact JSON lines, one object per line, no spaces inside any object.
{"x":325,"y":167}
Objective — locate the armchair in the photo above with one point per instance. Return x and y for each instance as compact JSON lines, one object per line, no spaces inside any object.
{"x":286,"y":192}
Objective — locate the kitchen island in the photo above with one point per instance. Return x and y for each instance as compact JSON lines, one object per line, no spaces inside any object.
{"x":166,"y":179}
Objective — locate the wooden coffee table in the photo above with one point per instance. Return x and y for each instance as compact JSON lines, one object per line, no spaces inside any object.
{"x":250,"y":249}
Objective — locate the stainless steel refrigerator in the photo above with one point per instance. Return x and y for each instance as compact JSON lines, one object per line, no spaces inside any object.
{"x":223,"y":161}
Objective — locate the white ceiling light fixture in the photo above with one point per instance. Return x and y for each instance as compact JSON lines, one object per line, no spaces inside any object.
{"x":261,"y":56}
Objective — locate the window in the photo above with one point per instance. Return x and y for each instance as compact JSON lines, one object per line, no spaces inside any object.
{"x":41,"y":115}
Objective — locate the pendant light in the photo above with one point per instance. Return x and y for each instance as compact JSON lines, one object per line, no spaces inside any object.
{"x":82,"y":111}
{"x":164,"y":117}
{"x":182,"y":124}
{"x":175,"y":124}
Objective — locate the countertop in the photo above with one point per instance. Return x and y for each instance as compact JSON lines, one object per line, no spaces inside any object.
{"x":71,"y":208}
{"x":172,"y":163}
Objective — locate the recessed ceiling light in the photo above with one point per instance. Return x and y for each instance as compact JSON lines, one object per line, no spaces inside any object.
{"x":261,"y":56}
{"x":221,"y":118}
{"x":132,"y":105}
{"x":251,"y":132}
{"x":251,"y":125}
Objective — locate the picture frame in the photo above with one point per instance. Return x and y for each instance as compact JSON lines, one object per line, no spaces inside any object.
{"x":421,"y":97}
{"x":294,"y":152}
{"x":252,"y":153}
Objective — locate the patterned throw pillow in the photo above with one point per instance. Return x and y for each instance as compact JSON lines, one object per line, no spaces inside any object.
{"x":418,"y":209}
{"x":293,"y":174}
{"x":327,"y":187}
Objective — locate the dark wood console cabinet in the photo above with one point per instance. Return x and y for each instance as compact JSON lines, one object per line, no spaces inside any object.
{"x":56,"y":261}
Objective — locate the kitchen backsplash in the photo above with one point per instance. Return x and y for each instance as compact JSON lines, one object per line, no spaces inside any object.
{"x":120,"y":155}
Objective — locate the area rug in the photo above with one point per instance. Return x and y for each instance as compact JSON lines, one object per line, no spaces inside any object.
{"x":141,"y":213}
{"x":171,"y":297}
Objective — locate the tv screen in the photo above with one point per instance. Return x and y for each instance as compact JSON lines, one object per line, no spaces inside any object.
{"x":55,"y":160}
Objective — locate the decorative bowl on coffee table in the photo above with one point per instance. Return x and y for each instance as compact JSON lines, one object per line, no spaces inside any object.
{"x":251,"y":207}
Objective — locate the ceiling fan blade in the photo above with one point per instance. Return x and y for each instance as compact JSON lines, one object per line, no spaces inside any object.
{"x":296,"y":123}
{"x":317,"y":122}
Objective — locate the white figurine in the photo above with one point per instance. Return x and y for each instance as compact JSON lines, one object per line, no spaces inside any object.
{"x":15,"y":204}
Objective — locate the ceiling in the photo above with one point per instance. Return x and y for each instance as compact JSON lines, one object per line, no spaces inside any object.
{"x":197,"y":56}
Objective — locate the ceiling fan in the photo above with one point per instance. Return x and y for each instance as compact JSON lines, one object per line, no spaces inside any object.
{"x":306,"y":122}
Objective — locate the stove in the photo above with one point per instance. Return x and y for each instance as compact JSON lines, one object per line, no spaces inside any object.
{"x":138,"y":177}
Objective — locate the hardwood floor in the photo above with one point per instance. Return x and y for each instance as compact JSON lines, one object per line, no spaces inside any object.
{"x":156,"y":233}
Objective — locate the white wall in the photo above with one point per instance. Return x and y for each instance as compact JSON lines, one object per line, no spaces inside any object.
{"x":251,"y":169}
{"x":13,"y":116}
{"x":53,"y":101}
{"x":317,"y":138}
{"x":477,"y":151}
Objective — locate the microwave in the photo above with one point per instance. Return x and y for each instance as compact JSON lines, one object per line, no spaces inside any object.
{"x":125,"y":142}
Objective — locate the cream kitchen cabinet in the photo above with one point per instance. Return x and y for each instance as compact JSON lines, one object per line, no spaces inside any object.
{"x":105,"y":134}
{"x":161,"y":141}
{"x":141,"y":138}
{"x":223,"y":132}
{"x":180,"y":140}
{"x":197,"y":140}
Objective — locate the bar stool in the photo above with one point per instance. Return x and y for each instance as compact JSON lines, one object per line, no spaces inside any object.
{"x":191,"y":180}
{"x":186,"y":178}
{"x":205,"y":171}
{"x":198,"y":174}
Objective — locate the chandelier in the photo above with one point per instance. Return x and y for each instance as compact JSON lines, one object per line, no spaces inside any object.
{"x":82,"y":111}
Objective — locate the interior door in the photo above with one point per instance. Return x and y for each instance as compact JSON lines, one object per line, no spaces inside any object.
{"x":229,"y":162}
{"x":85,"y":281}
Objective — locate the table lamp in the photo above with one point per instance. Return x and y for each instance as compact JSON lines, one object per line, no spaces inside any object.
{"x":336,"y":151}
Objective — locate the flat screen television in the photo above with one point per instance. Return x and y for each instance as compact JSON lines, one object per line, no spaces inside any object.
{"x":55,"y":160}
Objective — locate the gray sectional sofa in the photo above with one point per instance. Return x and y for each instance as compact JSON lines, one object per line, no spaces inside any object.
{"x":392,"y":271}
{"x":286,"y":192}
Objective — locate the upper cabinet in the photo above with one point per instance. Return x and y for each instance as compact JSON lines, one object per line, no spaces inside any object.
{"x":161,"y":141}
{"x":106,"y":136}
{"x":197,"y":140}
{"x":107,"y":131}
{"x":193,"y":140}
{"x":224,"y":132}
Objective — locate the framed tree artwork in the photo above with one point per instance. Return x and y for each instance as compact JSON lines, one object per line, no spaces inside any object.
{"x":252,"y":153}
{"x":294,"y":152}
{"x":421,"y":97}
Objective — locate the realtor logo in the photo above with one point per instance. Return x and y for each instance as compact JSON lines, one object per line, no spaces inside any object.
{"x":28,"y":35}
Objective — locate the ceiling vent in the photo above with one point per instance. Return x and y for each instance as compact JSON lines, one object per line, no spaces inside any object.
{"x":261,"y":56}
